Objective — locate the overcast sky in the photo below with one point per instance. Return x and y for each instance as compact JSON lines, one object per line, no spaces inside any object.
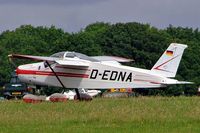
{"x":72,"y":15}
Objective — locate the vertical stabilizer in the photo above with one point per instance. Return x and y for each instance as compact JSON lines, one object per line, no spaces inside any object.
{"x":168,"y":63}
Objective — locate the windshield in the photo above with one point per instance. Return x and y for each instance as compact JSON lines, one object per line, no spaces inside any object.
{"x":80,"y":56}
{"x":73,"y":55}
{"x":58,"y":55}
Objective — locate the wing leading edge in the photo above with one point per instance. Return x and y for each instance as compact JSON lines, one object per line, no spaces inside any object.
{"x":71,"y":62}
{"x":60,"y":61}
{"x":30,"y":57}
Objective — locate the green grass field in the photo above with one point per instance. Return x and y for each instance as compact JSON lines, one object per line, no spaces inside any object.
{"x":141,"y":114}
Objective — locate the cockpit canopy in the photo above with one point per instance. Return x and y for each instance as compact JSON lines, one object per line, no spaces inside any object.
{"x":68,"y":54}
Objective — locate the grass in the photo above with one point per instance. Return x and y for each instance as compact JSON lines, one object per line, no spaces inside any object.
{"x":142,"y":114}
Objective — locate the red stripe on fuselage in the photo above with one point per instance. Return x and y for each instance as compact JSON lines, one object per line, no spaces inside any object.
{"x":74,"y":68}
{"x":48,"y":73}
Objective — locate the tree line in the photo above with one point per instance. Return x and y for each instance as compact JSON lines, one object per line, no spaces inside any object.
{"x":141,"y":42}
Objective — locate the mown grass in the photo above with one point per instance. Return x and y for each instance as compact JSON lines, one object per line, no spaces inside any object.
{"x":142,"y":114}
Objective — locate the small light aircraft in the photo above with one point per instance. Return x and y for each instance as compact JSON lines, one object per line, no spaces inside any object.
{"x":76,"y":70}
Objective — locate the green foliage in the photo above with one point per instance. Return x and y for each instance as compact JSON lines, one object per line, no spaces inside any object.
{"x":140,"y":42}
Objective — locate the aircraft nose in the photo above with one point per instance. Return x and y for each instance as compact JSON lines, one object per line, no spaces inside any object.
{"x":17,"y":71}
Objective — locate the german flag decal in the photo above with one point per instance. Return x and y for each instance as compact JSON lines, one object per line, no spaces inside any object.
{"x":169,"y":52}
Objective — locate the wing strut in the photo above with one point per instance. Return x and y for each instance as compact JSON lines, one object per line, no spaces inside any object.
{"x":77,"y":92}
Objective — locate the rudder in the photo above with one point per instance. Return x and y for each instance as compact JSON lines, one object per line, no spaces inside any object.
{"x":168,"y":63}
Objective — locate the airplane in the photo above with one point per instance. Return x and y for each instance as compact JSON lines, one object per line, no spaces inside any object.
{"x":76,"y":70}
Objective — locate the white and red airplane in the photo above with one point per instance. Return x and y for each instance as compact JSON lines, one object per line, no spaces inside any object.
{"x":76,"y":70}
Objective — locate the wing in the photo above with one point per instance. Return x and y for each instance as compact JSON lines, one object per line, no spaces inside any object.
{"x":30,"y":57}
{"x":60,"y":61}
{"x":111,"y":58}
{"x":79,"y":63}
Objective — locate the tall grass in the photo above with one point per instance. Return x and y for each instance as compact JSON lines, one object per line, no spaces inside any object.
{"x":142,"y":114}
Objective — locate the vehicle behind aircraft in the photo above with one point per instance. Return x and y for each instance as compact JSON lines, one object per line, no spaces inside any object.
{"x":15,"y":89}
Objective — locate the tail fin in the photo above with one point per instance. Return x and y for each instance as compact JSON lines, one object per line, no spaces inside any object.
{"x":168,"y":63}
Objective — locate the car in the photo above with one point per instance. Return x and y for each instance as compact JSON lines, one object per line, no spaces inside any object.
{"x":15,"y":89}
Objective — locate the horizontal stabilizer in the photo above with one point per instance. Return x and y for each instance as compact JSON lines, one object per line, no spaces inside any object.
{"x":174,"y":81}
{"x":184,"y":82}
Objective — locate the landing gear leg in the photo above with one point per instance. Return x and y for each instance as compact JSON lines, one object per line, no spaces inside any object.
{"x":77,"y":92}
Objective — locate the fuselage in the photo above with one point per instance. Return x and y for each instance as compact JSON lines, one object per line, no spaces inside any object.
{"x":99,"y":75}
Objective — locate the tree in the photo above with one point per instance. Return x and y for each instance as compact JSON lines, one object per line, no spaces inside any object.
{"x":140,"y":42}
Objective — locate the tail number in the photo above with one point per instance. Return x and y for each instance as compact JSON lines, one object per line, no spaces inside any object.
{"x":111,"y":75}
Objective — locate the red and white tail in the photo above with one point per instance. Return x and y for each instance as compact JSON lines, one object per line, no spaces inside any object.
{"x":168,"y":63}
